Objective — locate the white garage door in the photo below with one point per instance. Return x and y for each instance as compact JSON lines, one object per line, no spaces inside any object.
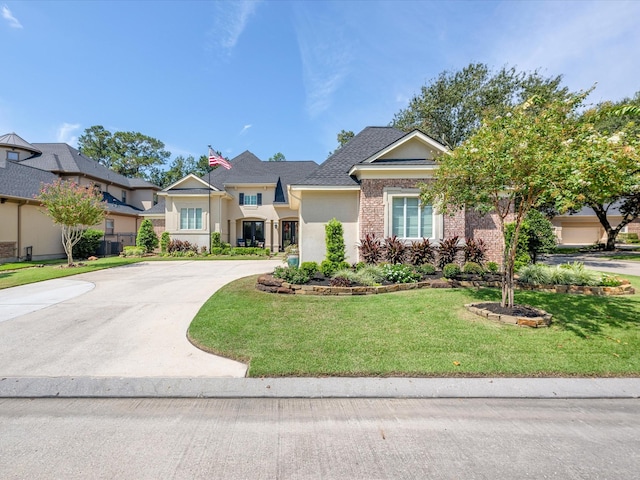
{"x":581,"y":235}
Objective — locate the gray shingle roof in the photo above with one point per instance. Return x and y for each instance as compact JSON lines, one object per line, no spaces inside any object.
{"x":22,"y":181}
{"x":116,"y":206}
{"x":157,"y":209}
{"x":247,"y":169}
{"x":13,"y":140}
{"x":62,"y":158}
{"x":335,"y":169}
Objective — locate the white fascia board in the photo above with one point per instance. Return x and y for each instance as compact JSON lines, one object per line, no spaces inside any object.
{"x":372,"y":171}
{"x":192,"y":176}
{"x":250,"y":185}
{"x":321,"y":188}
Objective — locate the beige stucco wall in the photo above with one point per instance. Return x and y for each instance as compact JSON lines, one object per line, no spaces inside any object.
{"x":36,"y":230}
{"x":141,"y":198}
{"x":199,"y":237}
{"x":316,"y":209}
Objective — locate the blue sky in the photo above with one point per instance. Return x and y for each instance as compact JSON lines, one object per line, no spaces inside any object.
{"x":278,"y":76}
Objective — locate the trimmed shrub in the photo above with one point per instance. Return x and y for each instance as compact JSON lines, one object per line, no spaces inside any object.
{"x":147,"y":237}
{"x":130,"y":251}
{"x":291,"y":274}
{"x":215,"y":240}
{"x":426,"y":269}
{"x":165,"y":238}
{"x":371,"y":250}
{"x":400,"y":273}
{"x":328,"y":268}
{"x":421,"y":252}
{"x":177,"y":247}
{"x":88,"y":243}
{"x":448,"y":251}
{"x":492,"y":267}
{"x":334,"y":240}
{"x":472,"y":268}
{"x":394,"y":250}
{"x":451,"y":270}
{"x":310,"y":268}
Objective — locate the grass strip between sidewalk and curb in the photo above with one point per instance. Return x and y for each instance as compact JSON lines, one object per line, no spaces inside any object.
{"x":418,"y":333}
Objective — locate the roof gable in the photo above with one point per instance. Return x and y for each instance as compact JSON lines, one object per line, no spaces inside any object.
{"x":190,"y":181}
{"x":413,"y":146}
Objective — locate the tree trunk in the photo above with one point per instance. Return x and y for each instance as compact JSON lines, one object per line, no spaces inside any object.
{"x":612,"y":233}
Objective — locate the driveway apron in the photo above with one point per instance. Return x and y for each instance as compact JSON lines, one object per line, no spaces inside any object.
{"x":132,"y":324}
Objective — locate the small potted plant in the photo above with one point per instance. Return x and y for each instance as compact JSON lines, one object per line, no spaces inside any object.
{"x":291,"y":255}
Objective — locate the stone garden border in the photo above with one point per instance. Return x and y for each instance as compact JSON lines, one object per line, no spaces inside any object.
{"x":268,"y":283}
{"x":542,"y":320}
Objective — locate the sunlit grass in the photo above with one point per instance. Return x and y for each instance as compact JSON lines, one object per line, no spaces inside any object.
{"x":418,"y":333}
{"x":12,"y":275}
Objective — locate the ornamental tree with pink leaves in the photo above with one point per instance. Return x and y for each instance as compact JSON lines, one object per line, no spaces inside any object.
{"x":74,"y":207}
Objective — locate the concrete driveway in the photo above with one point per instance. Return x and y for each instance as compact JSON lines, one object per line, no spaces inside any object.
{"x":128,"y":321}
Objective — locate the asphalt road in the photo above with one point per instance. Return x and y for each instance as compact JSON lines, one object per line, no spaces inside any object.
{"x":320,"y":439}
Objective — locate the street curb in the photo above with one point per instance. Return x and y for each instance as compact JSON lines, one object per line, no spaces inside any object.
{"x":331,"y":387}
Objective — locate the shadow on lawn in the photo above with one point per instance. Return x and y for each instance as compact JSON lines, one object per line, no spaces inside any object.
{"x":583,"y":315}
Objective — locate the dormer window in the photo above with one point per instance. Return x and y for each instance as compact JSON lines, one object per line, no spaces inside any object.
{"x":13,"y":156}
{"x":124,"y":196}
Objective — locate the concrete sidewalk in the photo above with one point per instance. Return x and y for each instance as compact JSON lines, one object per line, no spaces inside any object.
{"x":332,"y":387}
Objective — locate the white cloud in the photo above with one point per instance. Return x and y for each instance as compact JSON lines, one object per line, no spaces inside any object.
{"x":245,"y":129}
{"x":65,"y":133}
{"x":8,"y":16}
{"x":231,"y":18}
{"x":325,"y":54}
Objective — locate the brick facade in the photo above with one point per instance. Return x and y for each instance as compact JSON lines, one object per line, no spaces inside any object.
{"x":464,"y":224}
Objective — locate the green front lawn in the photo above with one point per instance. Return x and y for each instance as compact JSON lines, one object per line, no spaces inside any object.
{"x":14,"y":274}
{"x":418,"y":333}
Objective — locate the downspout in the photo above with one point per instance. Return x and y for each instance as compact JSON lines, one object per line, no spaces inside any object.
{"x":19,"y":239}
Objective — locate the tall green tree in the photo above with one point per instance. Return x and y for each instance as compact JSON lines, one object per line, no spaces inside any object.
{"x":179,"y":168}
{"x":450,"y":107}
{"x":278,"y":157}
{"x":74,"y":208}
{"x":343,"y":138}
{"x":606,"y":165}
{"x":97,"y":143}
{"x":519,"y":158}
{"x":131,"y":154}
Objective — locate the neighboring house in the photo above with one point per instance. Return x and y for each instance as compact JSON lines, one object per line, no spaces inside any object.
{"x":584,"y":228}
{"x":248,"y":204}
{"x":371,"y":185}
{"x":24,"y":167}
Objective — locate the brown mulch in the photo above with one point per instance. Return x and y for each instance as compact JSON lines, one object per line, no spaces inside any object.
{"x":516,"y":311}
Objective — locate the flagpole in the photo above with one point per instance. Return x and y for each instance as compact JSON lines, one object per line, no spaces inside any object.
{"x":209,"y":195}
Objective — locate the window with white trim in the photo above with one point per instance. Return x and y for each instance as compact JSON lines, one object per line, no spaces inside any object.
{"x":13,"y":156}
{"x":409,"y":219}
{"x":190,"y":219}
{"x":109,"y":226}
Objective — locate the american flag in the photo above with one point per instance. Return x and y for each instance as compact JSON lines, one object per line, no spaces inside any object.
{"x":215,"y":159}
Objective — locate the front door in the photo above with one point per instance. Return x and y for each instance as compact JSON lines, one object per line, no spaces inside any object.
{"x":252,"y":233}
{"x":289,"y":233}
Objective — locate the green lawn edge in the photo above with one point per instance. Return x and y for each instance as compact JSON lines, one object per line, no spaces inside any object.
{"x":418,"y":333}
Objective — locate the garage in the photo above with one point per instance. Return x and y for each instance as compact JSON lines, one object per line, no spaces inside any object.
{"x":584,"y":234}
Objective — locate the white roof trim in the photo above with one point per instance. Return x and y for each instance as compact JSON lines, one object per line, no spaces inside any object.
{"x":192,"y":176}
{"x":416,"y":134}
